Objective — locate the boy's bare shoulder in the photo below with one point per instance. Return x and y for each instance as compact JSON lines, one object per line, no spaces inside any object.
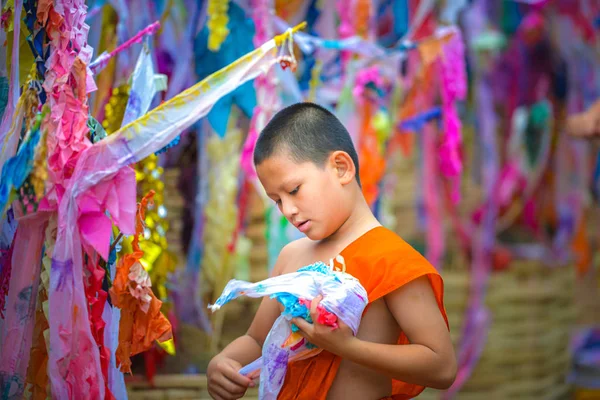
{"x":290,"y":257}
{"x":296,"y":245}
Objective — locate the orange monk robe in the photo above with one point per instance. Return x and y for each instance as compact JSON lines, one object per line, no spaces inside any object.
{"x":382,"y":262}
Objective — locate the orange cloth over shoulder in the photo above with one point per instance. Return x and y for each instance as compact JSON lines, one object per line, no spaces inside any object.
{"x":382,"y":262}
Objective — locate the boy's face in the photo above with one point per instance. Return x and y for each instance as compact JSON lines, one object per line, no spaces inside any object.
{"x":309,"y":196}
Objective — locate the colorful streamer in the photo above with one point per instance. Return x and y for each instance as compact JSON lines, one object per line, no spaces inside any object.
{"x":102,"y":168}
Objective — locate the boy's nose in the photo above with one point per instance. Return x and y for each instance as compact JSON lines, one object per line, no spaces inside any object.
{"x":289,"y":210}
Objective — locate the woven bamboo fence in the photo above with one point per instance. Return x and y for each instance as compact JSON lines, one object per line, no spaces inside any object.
{"x":174,"y":387}
{"x":526,"y":355}
{"x":587,"y":293}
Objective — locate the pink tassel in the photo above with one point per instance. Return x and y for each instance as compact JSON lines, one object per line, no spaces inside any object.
{"x":454,"y":87}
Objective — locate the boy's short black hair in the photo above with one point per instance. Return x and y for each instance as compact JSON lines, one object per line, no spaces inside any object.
{"x":309,"y":132}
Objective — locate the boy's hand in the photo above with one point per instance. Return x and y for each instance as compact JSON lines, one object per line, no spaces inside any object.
{"x":334,"y":340}
{"x":224,"y":380}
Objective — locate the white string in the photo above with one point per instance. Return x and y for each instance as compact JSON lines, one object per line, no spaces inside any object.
{"x":340,"y":260}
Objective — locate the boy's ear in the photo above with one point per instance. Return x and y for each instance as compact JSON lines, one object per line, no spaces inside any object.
{"x":343,"y":165}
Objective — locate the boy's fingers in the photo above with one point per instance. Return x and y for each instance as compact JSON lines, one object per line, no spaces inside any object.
{"x":301,"y":324}
{"x":233,"y":389}
{"x":214,"y":395}
{"x":236,"y":378}
{"x":313,"y":307}
{"x":596,"y":132}
{"x":217,"y":393}
{"x":229,"y":390}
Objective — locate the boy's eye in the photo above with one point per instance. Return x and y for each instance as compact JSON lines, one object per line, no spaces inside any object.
{"x":293,"y":192}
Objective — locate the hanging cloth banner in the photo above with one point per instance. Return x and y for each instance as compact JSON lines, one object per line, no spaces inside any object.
{"x":101,"y":181}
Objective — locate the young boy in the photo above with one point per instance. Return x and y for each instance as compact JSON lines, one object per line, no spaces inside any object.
{"x":308,"y":166}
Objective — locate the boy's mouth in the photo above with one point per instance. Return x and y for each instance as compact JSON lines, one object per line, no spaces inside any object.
{"x":303,"y":226}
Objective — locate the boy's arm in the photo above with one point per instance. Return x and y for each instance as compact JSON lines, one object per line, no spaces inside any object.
{"x":428,"y":360}
{"x":224,"y":379}
{"x":248,"y":347}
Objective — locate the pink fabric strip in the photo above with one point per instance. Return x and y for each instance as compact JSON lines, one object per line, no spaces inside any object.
{"x":17,"y":328}
{"x":267,"y":99}
{"x":74,"y":366}
{"x":477,"y":318}
{"x":432,"y":198}
{"x":454,"y":87}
